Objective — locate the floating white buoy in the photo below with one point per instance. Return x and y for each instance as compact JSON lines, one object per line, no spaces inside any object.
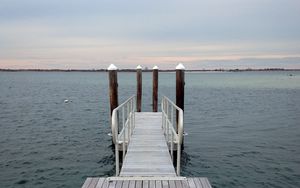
{"x":66,"y":101}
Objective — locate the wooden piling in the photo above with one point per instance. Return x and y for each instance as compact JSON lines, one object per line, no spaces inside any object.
{"x":139,"y":88}
{"x":155,"y":89}
{"x":180,"y":69}
{"x":113,"y":87}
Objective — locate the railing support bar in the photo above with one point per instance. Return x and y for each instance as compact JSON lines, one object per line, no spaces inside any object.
{"x":172,"y":135}
{"x":127,"y":109}
{"x":178,"y":159}
{"x":117,"y":159}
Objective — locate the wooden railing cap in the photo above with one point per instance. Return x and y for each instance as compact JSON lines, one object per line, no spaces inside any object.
{"x":112,"y":67}
{"x":180,"y":67}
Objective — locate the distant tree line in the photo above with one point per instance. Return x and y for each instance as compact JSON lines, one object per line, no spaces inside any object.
{"x":149,"y":70}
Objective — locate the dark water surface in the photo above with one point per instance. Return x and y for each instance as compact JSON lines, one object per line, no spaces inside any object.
{"x":243,"y":128}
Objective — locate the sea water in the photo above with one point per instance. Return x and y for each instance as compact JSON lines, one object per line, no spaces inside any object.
{"x":243,"y":127}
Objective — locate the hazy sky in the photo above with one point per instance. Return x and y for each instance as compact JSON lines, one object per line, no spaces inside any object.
{"x":81,"y":34}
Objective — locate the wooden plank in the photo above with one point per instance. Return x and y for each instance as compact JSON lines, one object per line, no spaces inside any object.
{"x":138,"y":184}
{"x":165,"y":184}
{"x":123,"y":178}
{"x":125,"y":184}
{"x":87,"y":183}
{"x":143,"y":169}
{"x":105,"y":183}
{"x":112,"y":184}
{"x":185,"y":184}
{"x":131,"y":184}
{"x":145,"y":183}
{"x":191,"y":183}
{"x":172,"y":184}
{"x":197,"y":183}
{"x":93,"y":183}
{"x":205,"y":182}
{"x":178,"y":184}
{"x":146,"y":174}
{"x":100,"y":182}
{"x":158,"y":184}
{"x":119,"y":184}
{"x":152,"y":184}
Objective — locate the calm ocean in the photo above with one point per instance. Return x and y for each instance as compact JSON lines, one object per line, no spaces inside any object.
{"x":243,"y":127}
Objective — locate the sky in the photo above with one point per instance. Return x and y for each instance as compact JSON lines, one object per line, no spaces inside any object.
{"x":201,"y":34}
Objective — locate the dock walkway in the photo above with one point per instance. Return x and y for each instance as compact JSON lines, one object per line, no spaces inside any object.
{"x":148,"y":153}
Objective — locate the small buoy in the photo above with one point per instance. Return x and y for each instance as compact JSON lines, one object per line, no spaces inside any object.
{"x":66,"y":101}
{"x":109,"y":134}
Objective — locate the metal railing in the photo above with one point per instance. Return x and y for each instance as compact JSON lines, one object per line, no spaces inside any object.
{"x":173,"y":137}
{"x":123,"y":118}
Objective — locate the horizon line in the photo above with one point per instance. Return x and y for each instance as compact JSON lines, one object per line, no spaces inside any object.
{"x":149,"y":70}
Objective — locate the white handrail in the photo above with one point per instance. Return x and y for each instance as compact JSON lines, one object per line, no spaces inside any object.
{"x":172,"y":136}
{"x":126,"y":112}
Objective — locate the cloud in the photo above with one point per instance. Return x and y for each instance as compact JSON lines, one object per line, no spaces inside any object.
{"x":95,"y":33}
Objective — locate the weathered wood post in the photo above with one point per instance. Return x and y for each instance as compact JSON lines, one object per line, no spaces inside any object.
{"x":155,"y":88}
{"x":180,"y":69}
{"x":113,"y":87}
{"x":139,"y":88}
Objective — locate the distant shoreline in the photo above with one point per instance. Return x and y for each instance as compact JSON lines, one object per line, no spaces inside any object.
{"x":145,"y":70}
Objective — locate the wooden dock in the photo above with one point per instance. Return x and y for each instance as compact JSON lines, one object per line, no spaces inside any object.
{"x":147,"y":163}
{"x":146,"y":183}
{"x":147,"y":141}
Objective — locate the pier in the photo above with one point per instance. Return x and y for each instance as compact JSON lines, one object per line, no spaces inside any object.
{"x":148,"y":145}
{"x":147,"y":153}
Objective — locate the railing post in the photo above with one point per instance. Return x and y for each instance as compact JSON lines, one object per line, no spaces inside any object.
{"x":166,"y":117}
{"x":124,"y":132}
{"x":113,"y":87}
{"x":155,"y":88}
{"x":163,"y":113}
{"x":117,"y":160}
{"x":179,"y":89}
{"x":113,"y":96}
{"x":130,"y":122}
{"x":134,"y":108}
{"x":131,"y":118}
{"x":171,"y":150}
{"x":178,"y":159}
{"x":139,"y":88}
{"x":114,"y":124}
{"x":180,"y":69}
